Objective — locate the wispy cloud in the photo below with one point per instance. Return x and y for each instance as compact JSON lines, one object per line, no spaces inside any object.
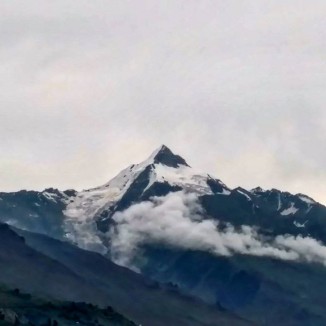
{"x":177,"y":221}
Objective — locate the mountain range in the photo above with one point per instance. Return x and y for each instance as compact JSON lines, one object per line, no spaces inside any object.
{"x":163,"y":243}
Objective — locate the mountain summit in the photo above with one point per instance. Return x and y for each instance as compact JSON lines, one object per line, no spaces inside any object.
{"x":163,"y":155}
{"x":160,"y":174}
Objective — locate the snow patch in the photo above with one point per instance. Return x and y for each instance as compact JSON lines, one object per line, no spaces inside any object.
{"x":55,"y":197}
{"x":244,"y":194}
{"x":225,"y":192}
{"x":184,"y":176}
{"x":307,"y":199}
{"x":279,"y":205}
{"x":50,"y":196}
{"x":289,"y":211}
{"x":300,"y":225}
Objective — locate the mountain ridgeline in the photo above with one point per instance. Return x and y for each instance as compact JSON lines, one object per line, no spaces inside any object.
{"x":276,"y":281}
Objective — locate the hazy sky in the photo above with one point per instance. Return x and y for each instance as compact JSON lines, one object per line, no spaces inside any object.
{"x":237,"y":87}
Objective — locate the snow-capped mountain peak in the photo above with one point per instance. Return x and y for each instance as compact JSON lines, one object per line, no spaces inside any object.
{"x":85,"y":217}
{"x":89,"y":213}
{"x":163,"y":155}
{"x":161,"y":167}
{"x":161,"y":173}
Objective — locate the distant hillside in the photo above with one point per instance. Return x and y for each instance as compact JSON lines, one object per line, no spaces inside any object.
{"x":17,"y":308}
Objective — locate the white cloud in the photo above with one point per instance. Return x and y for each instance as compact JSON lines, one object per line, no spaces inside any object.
{"x":176,"y":221}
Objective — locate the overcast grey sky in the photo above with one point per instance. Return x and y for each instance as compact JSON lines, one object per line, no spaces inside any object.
{"x":236,"y":87}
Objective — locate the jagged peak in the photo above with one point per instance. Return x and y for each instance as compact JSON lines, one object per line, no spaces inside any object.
{"x":284,"y":194}
{"x":165,"y":156}
{"x":257,"y":190}
{"x":241,"y":189}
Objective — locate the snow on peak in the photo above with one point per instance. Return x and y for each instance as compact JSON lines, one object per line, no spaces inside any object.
{"x":163,"y":166}
{"x":55,"y":195}
{"x":184,"y":176}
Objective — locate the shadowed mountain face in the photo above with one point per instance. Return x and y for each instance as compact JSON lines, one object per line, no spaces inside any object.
{"x":265,"y":290}
{"x":27,"y":269}
{"x":52,"y":269}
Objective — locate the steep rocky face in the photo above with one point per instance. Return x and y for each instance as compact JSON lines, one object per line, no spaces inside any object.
{"x":165,"y":157}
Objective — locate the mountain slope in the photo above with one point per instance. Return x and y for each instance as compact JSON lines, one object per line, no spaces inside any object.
{"x":27,"y":269}
{"x":264,"y":290}
{"x":53,"y":269}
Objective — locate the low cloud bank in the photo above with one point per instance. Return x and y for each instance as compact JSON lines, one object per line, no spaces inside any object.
{"x":177,"y":221}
